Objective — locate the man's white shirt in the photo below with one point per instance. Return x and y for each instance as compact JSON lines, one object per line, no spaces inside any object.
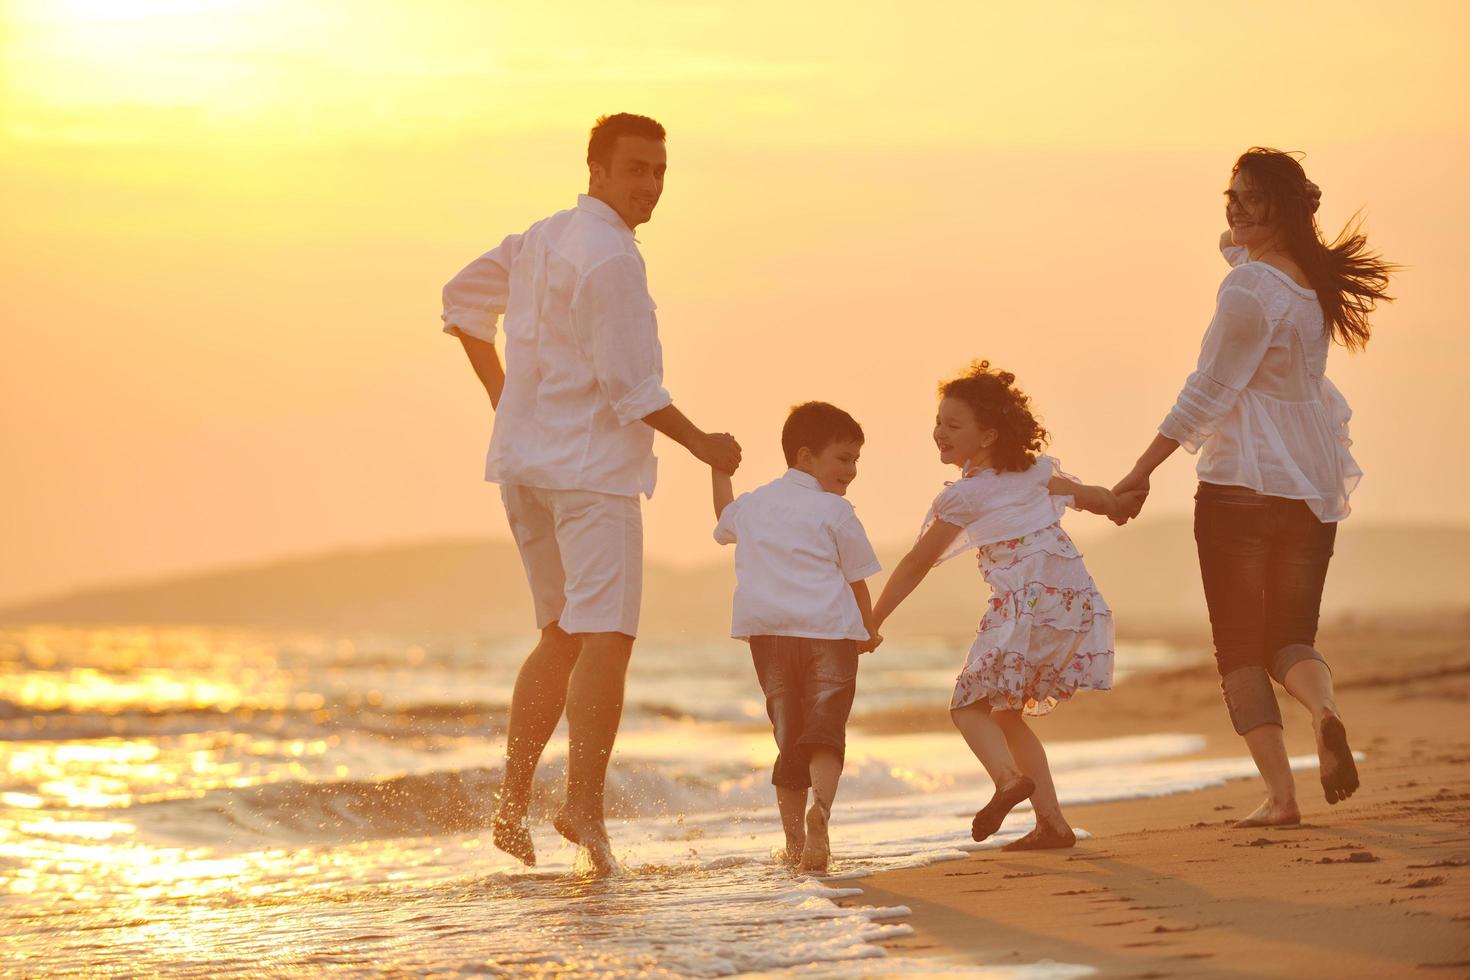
{"x":582,"y":355}
{"x":797,"y":551}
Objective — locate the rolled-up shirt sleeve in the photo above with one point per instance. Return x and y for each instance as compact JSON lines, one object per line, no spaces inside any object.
{"x":725,"y":527}
{"x":1233,"y":349}
{"x":855,"y":554}
{"x":613,"y":317}
{"x":476,"y":297}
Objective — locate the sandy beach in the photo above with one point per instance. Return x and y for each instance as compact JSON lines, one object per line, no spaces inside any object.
{"x":1376,"y":886}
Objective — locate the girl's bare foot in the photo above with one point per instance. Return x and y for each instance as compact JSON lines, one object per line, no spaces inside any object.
{"x":988,"y":820}
{"x":1044,"y":838}
{"x":1339,"y":771}
{"x":511,"y":835}
{"x":1272,"y":813}
{"x":816,"y":851}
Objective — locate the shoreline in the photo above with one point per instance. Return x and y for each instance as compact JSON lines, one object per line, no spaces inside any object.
{"x":1378,"y":885}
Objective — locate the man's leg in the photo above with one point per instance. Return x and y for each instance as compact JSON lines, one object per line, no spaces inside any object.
{"x":535,"y":709}
{"x":594,"y":711}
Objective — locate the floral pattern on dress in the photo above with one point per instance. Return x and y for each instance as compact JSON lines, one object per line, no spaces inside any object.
{"x":1046,"y":632}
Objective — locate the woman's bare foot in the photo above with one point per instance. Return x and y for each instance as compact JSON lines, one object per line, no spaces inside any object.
{"x":1272,"y":813}
{"x":511,"y":835}
{"x":1045,"y":837}
{"x":1339,"y":771}
{"x":988,"y":819}
{"x":816,"y":851}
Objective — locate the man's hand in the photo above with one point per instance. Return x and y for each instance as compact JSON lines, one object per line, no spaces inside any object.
{"x":719,"y":450}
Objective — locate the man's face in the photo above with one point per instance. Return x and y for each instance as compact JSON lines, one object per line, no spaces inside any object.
{"x":633,"y":179}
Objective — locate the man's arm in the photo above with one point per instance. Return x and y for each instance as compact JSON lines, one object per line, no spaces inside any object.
{"x":717,"y":449}
{"x":486,"y":363}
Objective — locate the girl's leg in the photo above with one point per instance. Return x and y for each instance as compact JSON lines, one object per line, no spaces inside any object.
{"x":1031,"y":757}
{"x":988,"y":742}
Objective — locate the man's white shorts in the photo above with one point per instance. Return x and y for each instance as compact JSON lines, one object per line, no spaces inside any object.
{"x":583,"y":553}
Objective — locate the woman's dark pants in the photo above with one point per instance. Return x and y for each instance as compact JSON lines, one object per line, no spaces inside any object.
{"x":1263,"y":560}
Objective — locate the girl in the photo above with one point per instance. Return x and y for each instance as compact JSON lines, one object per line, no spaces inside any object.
{"x":1274,"y":467}
{"x":1046,"y":632}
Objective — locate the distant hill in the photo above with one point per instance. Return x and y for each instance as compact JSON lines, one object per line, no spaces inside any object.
{"x":1147,"y":572}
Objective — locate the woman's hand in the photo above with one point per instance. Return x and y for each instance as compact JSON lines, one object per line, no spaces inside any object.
{"x":1131,"y":492}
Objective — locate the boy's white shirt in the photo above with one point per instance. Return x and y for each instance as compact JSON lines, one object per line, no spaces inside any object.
{"x":798,"y":548}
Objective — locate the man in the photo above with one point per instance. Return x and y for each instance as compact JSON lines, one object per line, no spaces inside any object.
{"x":576,"y":406}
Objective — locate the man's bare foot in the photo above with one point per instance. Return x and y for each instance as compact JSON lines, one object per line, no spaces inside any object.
{"x":817,"y":849}
{"x":511,"y":835}
{"x":591,"y":836}
{"x":1272,"y":814}
{"x":1339,"y":771}
{"x":1044,"y":838}
{"x":988,"y":819}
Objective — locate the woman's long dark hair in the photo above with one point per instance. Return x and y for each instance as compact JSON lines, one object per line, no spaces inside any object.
{"x":1349,"y":279}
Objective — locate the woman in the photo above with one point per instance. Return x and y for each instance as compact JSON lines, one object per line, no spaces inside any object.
{"x":1274,"y":468}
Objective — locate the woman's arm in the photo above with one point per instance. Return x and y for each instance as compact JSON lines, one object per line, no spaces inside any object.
{"x":912,"y":569}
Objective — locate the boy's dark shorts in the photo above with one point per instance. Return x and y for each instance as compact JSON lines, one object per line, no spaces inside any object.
{"x":809,"y":686}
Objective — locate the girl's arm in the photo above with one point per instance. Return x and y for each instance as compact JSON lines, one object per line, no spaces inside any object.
{"x":1097,"y":500}
{"x":724,"y":492}
{"x":912,"y":568}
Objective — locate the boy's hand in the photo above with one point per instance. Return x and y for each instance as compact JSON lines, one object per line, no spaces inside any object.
{"x":872,"y":643}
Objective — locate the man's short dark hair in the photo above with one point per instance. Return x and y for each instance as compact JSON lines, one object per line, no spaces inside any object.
{"x":605,"y":134}
{"x":816,"y":425}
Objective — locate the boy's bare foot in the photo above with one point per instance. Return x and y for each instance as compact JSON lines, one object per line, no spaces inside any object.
{"x":1044,"y":838}
{"x":1272,"y":814}
{"x":511,"y":835}
{"x":791,"y":856}
{"x":1339,"y":771}
{"x":988,"y":820}
{"x":817,"y":850}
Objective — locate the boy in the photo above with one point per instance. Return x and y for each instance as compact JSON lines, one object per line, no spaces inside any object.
{"x":801,"y":557}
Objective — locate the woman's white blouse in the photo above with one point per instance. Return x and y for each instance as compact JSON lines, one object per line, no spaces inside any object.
{"x":1259,"y":408}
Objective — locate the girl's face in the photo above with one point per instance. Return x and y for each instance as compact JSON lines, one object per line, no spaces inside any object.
{"x":959,"y":436}
{"x":1246,"y":212}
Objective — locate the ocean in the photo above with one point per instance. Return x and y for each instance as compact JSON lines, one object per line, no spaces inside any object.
{"x":218,"y":803}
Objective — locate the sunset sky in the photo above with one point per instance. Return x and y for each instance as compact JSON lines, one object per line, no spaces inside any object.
{"x":226,"y":225}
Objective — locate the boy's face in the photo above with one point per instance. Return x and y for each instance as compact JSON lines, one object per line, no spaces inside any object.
{"x":834,"y":467}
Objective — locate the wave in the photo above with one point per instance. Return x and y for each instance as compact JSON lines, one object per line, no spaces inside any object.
{"x":20,"y":722}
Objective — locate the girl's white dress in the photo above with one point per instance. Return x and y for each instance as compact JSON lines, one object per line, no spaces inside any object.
{"x":1047,"y":632}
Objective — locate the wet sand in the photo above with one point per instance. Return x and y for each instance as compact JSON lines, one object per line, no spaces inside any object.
{"x":1376,"y":886}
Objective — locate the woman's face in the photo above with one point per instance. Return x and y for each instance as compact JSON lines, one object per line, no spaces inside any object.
{"x":958,"y":436}
{"x":1246,"y":213}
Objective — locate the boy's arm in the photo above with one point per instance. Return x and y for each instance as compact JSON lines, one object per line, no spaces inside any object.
{"x":912,"y":569}
{"x":865,"y":606}
{"x":724,"y":491}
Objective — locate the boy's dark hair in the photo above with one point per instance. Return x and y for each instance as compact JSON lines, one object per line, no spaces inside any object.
{"x":816,"y":425}
{"x":998,"y":404}
{"x":608,"y":128}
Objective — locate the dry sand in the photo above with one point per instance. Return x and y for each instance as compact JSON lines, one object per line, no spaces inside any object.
{"x":1376,"y":886}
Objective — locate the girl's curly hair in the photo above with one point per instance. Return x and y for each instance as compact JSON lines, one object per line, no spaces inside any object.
{"x":998,"y":404}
